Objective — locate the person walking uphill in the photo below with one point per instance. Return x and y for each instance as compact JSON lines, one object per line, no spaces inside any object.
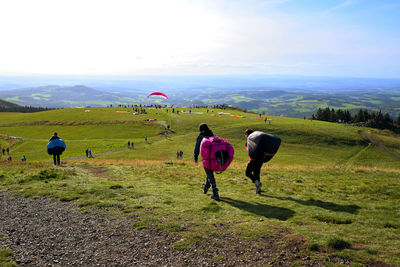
{"x":261,"y":148}
{"x":205,"y":132}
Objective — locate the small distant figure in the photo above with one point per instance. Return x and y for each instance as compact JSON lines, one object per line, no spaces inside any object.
{"x":265,"y":120}
{"x":129,"y":144}
{"x":87,"y":152}
{"x":177,"y":154}
{"x":132,"y":145}
{"x":9,"y":158}
{"x":8,"y":151}
{"x":166,"y":134}
{"x":23,"y":159}
{"x":259,"y":115}
{"x":181,"y":154}
{"x":173,"y":110}
{"x":168,"y":126}
{"x":90,"y":153}
{"x":145,"y":138}
{"x":4,"y":151}
{"x":304,"y":117}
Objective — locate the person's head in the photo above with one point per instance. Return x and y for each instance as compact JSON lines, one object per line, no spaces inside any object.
{"x":203,"y":127}
{"x":204,"y":130}
{"x":248,"y":132}
{"x":55,"y":133}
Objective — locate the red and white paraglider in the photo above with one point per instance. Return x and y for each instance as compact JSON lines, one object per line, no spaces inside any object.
{"x":158,"y":93}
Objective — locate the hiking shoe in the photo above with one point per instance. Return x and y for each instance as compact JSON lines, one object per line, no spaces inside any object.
{"x":215,"y":197}
{"x":258,"y":188}
{"x":205,"y":189}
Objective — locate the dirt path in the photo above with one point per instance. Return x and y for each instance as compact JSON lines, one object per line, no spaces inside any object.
{"x":43,"y":232}
{"x":379,"y":144}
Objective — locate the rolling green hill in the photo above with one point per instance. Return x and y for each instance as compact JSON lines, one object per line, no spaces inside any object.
{"x":304,"y":142}
{"x":327,"y":182}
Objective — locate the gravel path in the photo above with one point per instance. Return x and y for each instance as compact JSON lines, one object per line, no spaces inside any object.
{"x":43,"y":232}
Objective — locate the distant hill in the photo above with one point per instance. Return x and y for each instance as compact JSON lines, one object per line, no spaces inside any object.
{"x":55,"y":96}
{"x":7,"y":104}
{"x":279,"y":102}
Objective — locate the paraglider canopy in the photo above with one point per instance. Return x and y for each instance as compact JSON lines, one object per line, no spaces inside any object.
{"x":158,"y":93}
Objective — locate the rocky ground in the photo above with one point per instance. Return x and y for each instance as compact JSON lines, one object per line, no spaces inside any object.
{"x":43,"y":232}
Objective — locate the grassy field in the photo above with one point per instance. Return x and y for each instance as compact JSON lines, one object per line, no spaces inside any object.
{"x":326,"y":182}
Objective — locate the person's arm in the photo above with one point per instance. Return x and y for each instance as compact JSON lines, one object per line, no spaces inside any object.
{"x":197,"y":148}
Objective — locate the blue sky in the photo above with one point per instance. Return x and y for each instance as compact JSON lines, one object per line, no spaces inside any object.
{"x":356,"y":38}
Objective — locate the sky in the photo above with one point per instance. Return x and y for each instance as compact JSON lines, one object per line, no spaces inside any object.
{"x":346,"y":38}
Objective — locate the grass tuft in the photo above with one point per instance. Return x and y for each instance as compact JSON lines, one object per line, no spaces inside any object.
{"x":338,"y":243}
{"x":372,"y":251}
{"x":333,"y":220}
{"x":188,"y":242}
{"x":390,"y":225}
{"x":212,"y":207}
{"x":6,"y":258}
{"x":116,"y":186}
{"x":314,"y":247}
{"x":170,"y":227}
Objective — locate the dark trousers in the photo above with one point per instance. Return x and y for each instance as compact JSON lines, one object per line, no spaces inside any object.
{"x":56,"y":159}
{"x":210,"y":181}
{"x":253,"y":169}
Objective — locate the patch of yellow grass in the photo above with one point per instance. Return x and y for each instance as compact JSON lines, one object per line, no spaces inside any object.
{"x":238,"y":165}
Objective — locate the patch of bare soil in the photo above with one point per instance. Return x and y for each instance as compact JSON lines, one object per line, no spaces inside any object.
{"x":43,"y":232}
{"x":98,"y":171}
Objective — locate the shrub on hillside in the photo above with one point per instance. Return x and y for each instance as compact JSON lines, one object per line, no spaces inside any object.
{"x":338,"y":243}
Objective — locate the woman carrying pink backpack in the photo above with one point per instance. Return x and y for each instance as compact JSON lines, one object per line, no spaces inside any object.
{"x":217,"y":154}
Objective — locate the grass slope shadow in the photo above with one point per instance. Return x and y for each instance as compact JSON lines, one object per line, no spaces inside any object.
{"x":322,"y":204}
{"x":264,"y":210}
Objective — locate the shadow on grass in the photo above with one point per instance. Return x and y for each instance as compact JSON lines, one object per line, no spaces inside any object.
{"x":322,"y":204}
{"x":261,"y":209}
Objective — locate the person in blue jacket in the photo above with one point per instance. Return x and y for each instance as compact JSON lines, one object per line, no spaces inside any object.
{"x":210,"y":180}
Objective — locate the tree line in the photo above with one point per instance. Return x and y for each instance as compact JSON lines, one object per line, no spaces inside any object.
{"x":363,"y":117}
{"x":23,"y":109}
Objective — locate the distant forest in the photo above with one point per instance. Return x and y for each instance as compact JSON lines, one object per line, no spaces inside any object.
{"x":23,"y":109}
{"x":362,"y":118}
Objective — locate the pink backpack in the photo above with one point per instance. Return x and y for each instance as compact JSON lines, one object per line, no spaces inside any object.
{"x":217,"y":153}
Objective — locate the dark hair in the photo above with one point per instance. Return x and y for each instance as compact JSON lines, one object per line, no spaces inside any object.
{"x":55,"y":133}
{"x":205,"y":131}
{"x":248,"y":131}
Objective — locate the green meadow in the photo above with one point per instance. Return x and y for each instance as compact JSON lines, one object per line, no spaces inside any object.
{"x":326,"y":183}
